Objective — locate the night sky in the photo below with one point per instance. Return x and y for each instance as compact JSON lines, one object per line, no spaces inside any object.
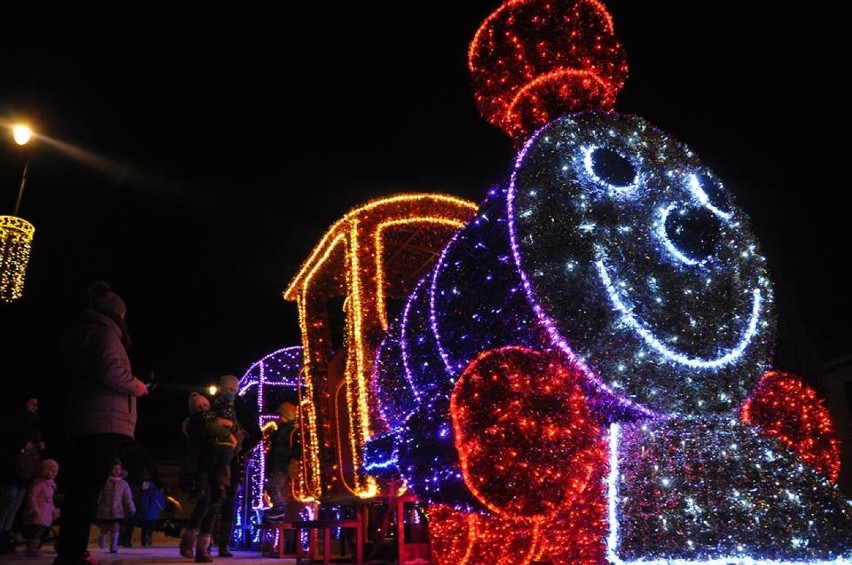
{"x":194,"y":162}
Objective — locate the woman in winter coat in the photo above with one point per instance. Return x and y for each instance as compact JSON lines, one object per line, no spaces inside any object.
{"x":40,"y":511}
{"x":101,"y":413}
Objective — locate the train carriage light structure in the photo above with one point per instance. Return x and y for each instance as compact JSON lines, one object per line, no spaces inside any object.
{"x":372,"y":257}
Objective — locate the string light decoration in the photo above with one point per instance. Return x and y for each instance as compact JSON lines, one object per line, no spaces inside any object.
{"x":613,"y":256}
{"x":16,"y":234}
{"x":372,"y":255}
{"x":786,"y":408}
{"x":531,"y":260}
{"x":461,"y":541}
{"x":518,"y":415}
{"x":16,"y":238}
{"x":575,"y":63}
{"x":267,"y":383}
{"x":712,"y":490}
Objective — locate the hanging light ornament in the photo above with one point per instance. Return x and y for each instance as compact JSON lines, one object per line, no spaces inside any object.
{"x":16,"y":235}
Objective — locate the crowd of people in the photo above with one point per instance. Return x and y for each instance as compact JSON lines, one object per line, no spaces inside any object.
{"x":109,"y":480}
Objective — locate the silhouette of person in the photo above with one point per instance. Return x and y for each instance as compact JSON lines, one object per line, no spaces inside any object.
{"x":100,"y":413}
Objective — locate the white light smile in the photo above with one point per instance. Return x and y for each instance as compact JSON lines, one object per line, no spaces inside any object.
{"x":726,"y":357}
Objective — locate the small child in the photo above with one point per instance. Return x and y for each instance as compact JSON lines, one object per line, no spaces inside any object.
{"x":40,"y":511}
{"x":151,"y":503}
{"x":115,"y":504}
{"x":282,"y":455}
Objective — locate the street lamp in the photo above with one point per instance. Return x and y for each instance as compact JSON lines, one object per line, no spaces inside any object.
{"x":16,"y":234}
{"x":22,"y":135}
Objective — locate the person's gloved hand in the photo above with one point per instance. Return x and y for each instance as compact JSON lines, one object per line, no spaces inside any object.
{"x":141,"y":389}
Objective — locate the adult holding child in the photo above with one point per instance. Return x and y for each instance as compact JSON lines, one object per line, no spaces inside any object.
{"x":230,"y":406}
{"x":211,"y":445}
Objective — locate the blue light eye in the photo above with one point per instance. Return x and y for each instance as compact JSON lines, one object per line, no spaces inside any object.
{"x":610,"y":168}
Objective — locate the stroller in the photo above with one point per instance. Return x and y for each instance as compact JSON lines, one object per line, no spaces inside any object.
{"x":49,"y":535}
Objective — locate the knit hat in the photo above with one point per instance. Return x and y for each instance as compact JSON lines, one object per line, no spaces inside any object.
{"x":287,"y":411}
{"x":229,"y":380}
{"x":103,"y":299}
{"x":196,"y":402}
{"x":49,"y":466}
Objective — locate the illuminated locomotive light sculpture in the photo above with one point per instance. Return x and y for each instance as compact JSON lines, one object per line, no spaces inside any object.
{"x":575,"y":380}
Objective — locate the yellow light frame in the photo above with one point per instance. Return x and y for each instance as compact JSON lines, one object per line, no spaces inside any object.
{"x":349,"y":261}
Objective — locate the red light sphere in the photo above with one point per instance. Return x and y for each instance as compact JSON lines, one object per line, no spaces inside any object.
{"x":534,"y":60}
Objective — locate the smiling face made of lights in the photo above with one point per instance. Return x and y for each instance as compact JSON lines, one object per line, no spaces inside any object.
{"x":639,"y":264}
{"x":611,"y":246}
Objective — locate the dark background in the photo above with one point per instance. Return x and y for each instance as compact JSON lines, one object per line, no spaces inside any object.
{"x":194,"y":161}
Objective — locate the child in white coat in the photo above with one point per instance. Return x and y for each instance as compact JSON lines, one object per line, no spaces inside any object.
{"x":115,"y":504}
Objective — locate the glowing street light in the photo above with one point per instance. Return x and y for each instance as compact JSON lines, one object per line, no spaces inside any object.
{"x":22,"y":134}
{"x":16,"y":234}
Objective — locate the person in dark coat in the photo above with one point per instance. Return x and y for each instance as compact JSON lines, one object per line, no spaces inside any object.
{"x":19,"y":442}
{"x":229,"y":405}
{"x":140,"y":466}
{"x":210,"y":445}
{"x":100,"y":414}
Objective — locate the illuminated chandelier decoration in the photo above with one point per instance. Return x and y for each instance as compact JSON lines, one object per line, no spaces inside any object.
{"x":16,"y":237}
{"x":584,"y":374}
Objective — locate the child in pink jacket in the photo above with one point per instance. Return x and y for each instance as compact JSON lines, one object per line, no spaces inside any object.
{"x":39,"y":510}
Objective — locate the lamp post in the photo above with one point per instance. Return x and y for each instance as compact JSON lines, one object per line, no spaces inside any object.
{"x":16,"y":235}
{"x":22,"y":135}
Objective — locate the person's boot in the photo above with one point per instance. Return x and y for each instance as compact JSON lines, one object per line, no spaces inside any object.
{"x":187,"y":542}
{"x":224,"y":536}
{"x":102,"y":541}
{"x":124,"y":539}
{"x":202,"y":549}
{"x":33,"y":546}
{"x":113,"y":541}
{"x":147,"y":540}
{"x":224,"y":551}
